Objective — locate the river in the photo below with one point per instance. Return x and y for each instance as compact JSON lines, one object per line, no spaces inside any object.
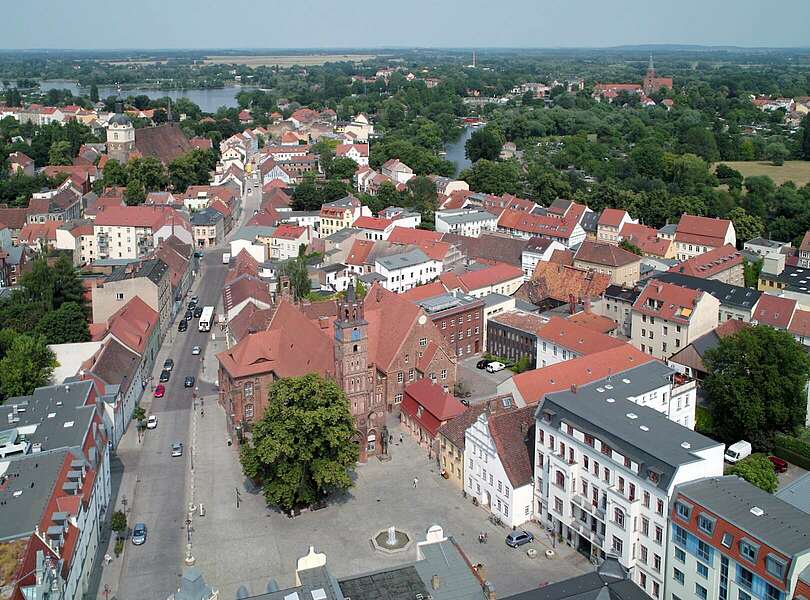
{"x":456,"y":152}
{"x":209,"y":99}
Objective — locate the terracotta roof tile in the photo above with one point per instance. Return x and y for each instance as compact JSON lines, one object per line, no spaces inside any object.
{"x":774,"y":311}
{"x":455,"y":429}
{"x":492,"y":275}
{"x":561,"y":282}
{"x":511,"y":433}
{"x":435,"y":400}
{"x":593,"y":322}
{"x":667,"y":301}
{"x":577,"y":338}
{"x":605,"y":254}
{"x":612,"y":217}
{"x":710,"y":263}
{"x":702,"y":230}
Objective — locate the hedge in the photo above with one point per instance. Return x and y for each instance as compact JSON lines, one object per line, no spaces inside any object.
{"x":792,"y":450}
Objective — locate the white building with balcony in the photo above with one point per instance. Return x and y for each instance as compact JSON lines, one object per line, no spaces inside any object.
{"x":605,"y":468}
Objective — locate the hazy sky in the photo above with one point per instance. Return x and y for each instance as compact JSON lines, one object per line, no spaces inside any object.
{"x":361,"y":23}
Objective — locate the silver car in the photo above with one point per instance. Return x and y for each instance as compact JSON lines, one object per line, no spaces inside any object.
{"x":139,"y":534}
{"x":177,"y":449}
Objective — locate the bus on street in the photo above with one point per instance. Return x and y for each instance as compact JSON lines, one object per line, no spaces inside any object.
{"x":206,"y":318}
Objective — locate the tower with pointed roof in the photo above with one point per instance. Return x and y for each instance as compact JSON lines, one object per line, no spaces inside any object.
{"x":353,"y":372}
{"x":652,"y":83}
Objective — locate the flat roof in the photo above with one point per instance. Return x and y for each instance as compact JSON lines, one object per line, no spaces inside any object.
{"x":797,"y":493}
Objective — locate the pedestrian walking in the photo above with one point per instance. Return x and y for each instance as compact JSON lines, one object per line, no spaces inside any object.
{"x":415,"y":482}
{"x":400,"y":438}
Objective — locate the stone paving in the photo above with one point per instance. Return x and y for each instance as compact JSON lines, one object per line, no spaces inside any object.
{"x":251,"y":544}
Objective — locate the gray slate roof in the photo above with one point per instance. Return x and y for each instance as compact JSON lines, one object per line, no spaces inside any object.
{"x":472,"y":216}
{"x":207,"y":216}
{"x":403,"y":260}
{"x":783,"y":526}
{"x":662,"y":446}
{"x":734,"y":296}
{"x":26,"y":492}
{"x":606,"y":583}
{"x":251,"y":232}
{"x":797,"y":493}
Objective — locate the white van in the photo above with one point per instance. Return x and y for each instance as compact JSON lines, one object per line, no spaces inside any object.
{"x":738,"y":451}
{"x":226,"y":258}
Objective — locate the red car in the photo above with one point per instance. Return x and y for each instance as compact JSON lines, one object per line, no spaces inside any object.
{"x":779,"y":465}
{"x":160,"y":391}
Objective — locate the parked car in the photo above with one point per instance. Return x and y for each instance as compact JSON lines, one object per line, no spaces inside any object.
{"x":779,"y":465}
{"x":198,"y":312}
{"x":168,"y":364}
{"x":188,"y":382}
{"x":195,"y":351}
{"x":195,"y":299}
{"x":182,"y":325}
{"x":160,"y":391}
{"x":165,"y":376}
{"x":177,"y":449}
{"x":151,"y":422}
{"x":495,"y":366}
{"x":189,"y":315}
{"x":738,"y":451}
{"x":518,"y":538}
{"x":139,"y":534}
{"x":482,"y":364}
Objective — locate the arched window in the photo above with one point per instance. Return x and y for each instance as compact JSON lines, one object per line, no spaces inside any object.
{"x":356,"y":347}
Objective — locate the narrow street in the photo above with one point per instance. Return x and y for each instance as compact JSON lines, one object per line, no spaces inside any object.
{"x":155,"y":487}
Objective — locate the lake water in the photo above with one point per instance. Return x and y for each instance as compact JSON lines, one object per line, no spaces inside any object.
{"x":456,"y":152}
{"x":209,"y":100}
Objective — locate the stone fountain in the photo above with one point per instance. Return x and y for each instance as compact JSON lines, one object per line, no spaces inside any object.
{"x":391,"y":540}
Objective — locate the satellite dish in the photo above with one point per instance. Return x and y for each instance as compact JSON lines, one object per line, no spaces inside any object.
{"x":422,"y":319}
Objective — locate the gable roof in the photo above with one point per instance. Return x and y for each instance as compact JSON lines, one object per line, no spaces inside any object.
{"x":165,"y":142}
{"x":535,"y":384}
{"x":455,"y":428}
{"x":561,"y":282}
{"x":612,"y":217}
{"x":510,"y":432}
{"x":133,"y":324}
{"x":774,"y":311}
{"x":434,"y":399}
{"x":702,"y":230}
{"x":578,"y":338}
{"x":668,"y":301}
{"x":488,"y":276}
{"x":710,"y":263}
{"x":409,"y":235}
{"x":605,"y":254}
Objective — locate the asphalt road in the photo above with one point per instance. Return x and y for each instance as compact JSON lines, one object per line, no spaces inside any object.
{"x":161,"y":495}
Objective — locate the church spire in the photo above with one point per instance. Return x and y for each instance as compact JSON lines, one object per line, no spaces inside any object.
{"x":651,"y":67}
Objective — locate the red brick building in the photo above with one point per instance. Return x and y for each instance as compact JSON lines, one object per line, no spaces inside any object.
{"x":459,"y":317}
{"x":373,"y":347}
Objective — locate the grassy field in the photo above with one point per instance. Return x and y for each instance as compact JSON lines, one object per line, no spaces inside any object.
{"x":286,"y":60}
{"x":797,"y":171}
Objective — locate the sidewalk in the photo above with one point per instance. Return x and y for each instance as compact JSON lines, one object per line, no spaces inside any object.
{"x":124,"y":470}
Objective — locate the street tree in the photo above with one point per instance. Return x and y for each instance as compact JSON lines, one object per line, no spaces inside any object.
{"x":804,"y":148}
{"x":135,"y":193}
{"x":746,"y":226}
{"x":755,"y":385}
{"x":302,"y":449}
{"x":757,"y":470}
{"x":59,"y":154}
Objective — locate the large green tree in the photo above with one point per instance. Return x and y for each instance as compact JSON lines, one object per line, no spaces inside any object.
{"x":66,"y":325}
{"x":805,"y":139}
{"x":27,"y":365}
{"x":484,"y":143}
{"x":59,"y":153}
{"x":756,"y":385}
{"x":191,"y":168}
{"x":302,"y":449}
{"x":757,"y":470}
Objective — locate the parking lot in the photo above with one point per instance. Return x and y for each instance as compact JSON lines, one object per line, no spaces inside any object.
{"x":482,"y":383}
{"x":252,"y":543}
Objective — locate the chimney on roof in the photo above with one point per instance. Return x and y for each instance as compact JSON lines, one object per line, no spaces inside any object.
{"x":573,"y":388}
{"x":435,"y":582}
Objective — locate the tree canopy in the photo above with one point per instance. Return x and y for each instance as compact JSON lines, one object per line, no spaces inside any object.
{"x":757,"y":470}
{"x":302,"y":449}
{"x":755,"y":385}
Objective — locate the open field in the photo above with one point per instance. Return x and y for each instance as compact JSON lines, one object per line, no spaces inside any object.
{"x":286,"y":60}
{"x":797,"y":171}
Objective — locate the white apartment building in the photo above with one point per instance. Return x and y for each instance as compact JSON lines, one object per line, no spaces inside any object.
{"x":605,"y":470}
{"x":466,"y":222}
{"x":497,"y":464}
{"x":407,"y":270}
{"x":537,"y":250}
{"x":667,"y":317}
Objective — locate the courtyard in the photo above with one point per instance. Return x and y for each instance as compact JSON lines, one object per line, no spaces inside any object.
{"x":251,"y":544}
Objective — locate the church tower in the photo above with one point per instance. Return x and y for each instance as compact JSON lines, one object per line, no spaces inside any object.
{"x":354,"y":374}
{"x":120,"y":136}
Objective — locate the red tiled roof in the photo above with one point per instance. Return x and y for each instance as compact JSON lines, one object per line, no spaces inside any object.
{"x":562,"y":257}
{"x":537,"y":224}
{"x":374,"y":223}
{"x":805,"y":245}
{"x":612,"y":217}
{"x":534,"y":385}
{"x":456,"y":427}
{"x":250,"y":319}
{"x":359,"y":252}
{"x":577,"y":338}
{"x":605,"y":254}
{"x":32,"y":233}
{"x":289,"y":232}
{"x":702,"y":230}
{"x":291,"y":346}
{"x":244,"y":288}
{"x":667,"y":301}
{"x":422,"y":292}
{"x":435,"y":400}
{"x":645,"y":239}
{"x":561,"y":282}
{"x":800,"y":323}
{"x":593,"y":321}
{"x":774,"y":311}
{"x":408,"y":235}
{"x":510,"y":433}
{"x":14,"y":218}
{"x":522,"y":321}
{"x":133,"y":216}
{"x":133,"y":323}
{"x":267,"y":217}
{"x":710,"y":263}
{"x":492,"y":275}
